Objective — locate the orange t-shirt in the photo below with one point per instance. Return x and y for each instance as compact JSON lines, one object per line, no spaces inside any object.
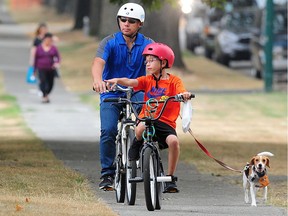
{"x":169,"y":87}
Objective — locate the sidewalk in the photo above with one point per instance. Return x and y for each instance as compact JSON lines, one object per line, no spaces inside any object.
{"x":71,"y":130}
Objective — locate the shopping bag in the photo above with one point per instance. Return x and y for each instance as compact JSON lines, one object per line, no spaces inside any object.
{"x":30,"y":78}
{"x":186,"y":115}
{"x":57,"y":73}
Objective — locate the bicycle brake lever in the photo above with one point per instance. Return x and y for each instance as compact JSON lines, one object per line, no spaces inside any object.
{"x":179,"y":97}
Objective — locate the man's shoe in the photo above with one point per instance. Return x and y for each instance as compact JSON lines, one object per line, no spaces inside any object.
{"x":134,"y":151}
{"x":170,"y":187}
{"x":106,"y":183}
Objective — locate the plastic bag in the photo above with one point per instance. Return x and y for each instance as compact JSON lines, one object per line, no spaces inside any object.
{"x":30,"y":78}
{"x":57,"y":73}
{"x":186,"y":116}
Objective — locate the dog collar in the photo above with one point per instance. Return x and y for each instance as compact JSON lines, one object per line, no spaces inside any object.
{"x":259,"y":174}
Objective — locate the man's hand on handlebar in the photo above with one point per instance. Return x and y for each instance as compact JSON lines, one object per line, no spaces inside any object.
{"x":99,"y":86}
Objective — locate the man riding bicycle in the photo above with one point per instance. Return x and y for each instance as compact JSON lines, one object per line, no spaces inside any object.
{"x":159,"y":84}
{"x":118,"y":55}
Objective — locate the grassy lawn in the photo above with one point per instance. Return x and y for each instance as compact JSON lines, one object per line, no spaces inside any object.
{"x":32,"y":180}
{"x":233,"y":127}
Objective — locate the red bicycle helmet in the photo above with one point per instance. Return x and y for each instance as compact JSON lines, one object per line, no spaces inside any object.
{"x":162,"y":51}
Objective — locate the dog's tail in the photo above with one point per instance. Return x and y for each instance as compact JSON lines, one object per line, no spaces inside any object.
{"x":265,"y":154}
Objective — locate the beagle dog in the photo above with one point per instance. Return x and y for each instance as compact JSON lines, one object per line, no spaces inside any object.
{"x":255,"y":176}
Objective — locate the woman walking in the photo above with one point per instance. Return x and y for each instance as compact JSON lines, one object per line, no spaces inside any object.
{"x":46,"y":63}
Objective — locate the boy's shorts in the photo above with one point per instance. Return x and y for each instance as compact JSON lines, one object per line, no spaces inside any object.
{"x":162,"y":131}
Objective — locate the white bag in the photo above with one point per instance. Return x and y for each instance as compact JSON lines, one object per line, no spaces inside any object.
{"x":186,"y":115}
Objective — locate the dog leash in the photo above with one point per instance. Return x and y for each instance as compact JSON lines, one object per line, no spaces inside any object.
{"x":209,"y":154}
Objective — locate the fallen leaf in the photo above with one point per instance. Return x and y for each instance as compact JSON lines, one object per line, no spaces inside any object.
{"x":18,"y":207}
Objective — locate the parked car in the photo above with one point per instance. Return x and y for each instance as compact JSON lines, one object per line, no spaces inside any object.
{"x":233,"y":40}
{"x":279,"y":44}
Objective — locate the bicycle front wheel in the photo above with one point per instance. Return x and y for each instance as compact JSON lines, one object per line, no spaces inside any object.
{"x":160,"y":185}
{"x":150,"y":179}
{"x":120,"y":177}
{"x":131,"y":172}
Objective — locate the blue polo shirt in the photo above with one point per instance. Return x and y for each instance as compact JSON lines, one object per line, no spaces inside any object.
{"x":120,"y":61}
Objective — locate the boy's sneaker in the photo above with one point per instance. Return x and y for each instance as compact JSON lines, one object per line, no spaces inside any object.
{"x":106,"y":183}
{"x":170,"y":187}
{"x":134,"y":151}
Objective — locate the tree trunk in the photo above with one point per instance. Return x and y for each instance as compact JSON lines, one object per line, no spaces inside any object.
{"x":108,"y":22}
{"x":163,"y":26}
{"x":71,"y":7}
{"x":61,"y":6}
{"x":95,"y":16}
{"x":82,"y":10}
{"x":48,"y":3}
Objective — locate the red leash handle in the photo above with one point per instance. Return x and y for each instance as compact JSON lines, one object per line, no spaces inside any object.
{"x":209,"y":155}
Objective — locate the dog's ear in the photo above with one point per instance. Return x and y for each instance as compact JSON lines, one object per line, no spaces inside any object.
{"x":267,"y":163}
{"x":252,"y":161}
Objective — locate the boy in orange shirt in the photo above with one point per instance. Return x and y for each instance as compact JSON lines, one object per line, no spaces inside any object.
{"x":157,"y":84}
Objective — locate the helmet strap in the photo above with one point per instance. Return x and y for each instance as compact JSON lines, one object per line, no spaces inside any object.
{"x":131,"y":36}
{"x":157,"y":79}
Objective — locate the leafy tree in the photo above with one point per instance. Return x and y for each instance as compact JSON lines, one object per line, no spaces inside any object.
{"x":162,"y":20}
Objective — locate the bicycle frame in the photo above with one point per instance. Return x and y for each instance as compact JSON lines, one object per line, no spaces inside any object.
{"x":149,"y":143}
{"x":125,"y":127}
{"x":152,"y":172}
{"x":126,"y":123}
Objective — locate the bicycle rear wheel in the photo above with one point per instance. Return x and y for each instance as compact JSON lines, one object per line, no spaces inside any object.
{"x":150,"y":179}
{"x":131,"y":172}
{"x":120,"y":177}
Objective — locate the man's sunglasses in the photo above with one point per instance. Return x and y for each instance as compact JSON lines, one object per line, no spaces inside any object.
{"x":130,"y":20}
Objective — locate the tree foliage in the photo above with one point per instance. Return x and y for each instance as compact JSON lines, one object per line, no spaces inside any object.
{"x":157,"y":4}
{"x":215,"y":3}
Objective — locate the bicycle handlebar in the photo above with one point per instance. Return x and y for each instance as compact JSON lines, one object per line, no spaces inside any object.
{"x":178,"y":98}
{"x":122,"y":89}
{"x":118,"y":88}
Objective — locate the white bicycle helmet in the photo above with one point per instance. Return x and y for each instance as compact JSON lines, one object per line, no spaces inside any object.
{"x":132,"y":10}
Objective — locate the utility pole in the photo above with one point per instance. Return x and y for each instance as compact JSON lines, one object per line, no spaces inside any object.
{"x":268,"y":73}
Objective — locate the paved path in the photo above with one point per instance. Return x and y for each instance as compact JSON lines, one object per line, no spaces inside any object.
{"x":71,"y":130}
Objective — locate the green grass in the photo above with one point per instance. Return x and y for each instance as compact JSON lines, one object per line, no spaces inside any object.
{"x":273,"y":105}
{"x":92,"y":100}
{"x":30,"y":171}
{"x":72,"y":48}
{"x":9,"y":111}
